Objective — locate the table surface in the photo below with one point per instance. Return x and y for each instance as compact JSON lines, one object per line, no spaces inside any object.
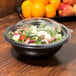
{"x":63,"y":63}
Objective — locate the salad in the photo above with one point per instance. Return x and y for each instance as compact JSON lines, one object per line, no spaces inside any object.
{"x":36,"y":34}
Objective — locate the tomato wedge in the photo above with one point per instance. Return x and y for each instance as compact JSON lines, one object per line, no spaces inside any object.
{"x":27,"y":40}
{"x":22,"y":37}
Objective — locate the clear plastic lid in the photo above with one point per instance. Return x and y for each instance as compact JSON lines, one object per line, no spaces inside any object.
{"x":37,"y":21}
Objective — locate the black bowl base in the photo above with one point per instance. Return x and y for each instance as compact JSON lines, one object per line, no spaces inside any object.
{"x":36,"y":52}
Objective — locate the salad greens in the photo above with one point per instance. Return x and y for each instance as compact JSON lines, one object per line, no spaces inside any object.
{"x":36,"y":34}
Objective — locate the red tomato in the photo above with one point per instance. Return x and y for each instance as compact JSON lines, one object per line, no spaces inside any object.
{"x":22,"y":37}
{"x":27,"y":40}
{"x":47,"y":41}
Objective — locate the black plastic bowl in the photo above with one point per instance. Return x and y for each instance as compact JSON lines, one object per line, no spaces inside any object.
{"x":37,"y":50}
